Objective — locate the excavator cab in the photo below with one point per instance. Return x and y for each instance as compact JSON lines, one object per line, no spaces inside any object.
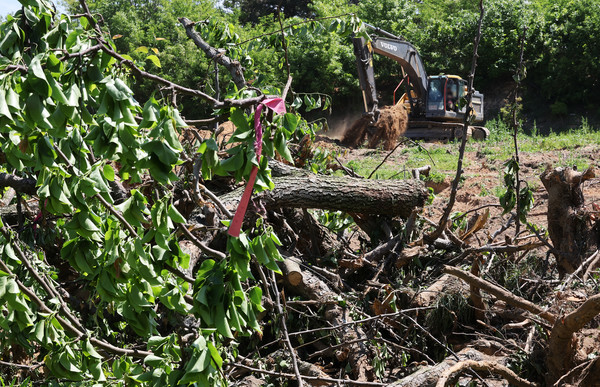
{"x":445,"y":98}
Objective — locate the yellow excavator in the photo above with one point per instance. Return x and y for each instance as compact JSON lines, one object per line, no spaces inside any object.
{"x":435,"y":104}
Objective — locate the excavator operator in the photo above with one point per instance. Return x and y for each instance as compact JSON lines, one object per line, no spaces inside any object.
{"x":451,"y":97}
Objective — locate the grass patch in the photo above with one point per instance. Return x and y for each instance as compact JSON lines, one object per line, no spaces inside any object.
{"x":496,"y":149}
{"x":501,"y":146}
{"x":388,"y":170}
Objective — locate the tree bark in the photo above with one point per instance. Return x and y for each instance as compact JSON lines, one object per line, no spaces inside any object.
{"x":354,"y":352}
{"x":568,"y":221}
{"x":384,"y":197}
{"x":20,"y":184}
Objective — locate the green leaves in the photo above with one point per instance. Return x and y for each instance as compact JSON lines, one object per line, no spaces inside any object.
{"x":508,"y":199}
{"x":117,"y":89}
{"x":4,"y":111}
{"x":68,"y":119}
{"x":154,"y":59}
{"x":204,"y":356}
{"x":37,"y":77}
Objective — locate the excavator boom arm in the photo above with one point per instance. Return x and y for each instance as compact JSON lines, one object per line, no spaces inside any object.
{"x":366,"y":75}
{"x":408,"y":57}
{"x":400,"y":51}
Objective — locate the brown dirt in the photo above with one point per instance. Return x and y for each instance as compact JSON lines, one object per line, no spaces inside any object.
{"x":482,"y":179}
{"x":388,"y":128}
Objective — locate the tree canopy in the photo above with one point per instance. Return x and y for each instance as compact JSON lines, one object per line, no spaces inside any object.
{"x":558,"y":58}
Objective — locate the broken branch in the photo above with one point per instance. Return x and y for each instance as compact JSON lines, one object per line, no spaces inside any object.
{"x":500,"y":293}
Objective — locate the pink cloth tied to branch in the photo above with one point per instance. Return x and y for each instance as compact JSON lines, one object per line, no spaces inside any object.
{"x":278,"y":106}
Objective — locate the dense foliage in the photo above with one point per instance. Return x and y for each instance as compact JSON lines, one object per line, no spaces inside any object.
{"x":95,"y":285}
{"x":69,"y":121}
{"x":560,"y":57}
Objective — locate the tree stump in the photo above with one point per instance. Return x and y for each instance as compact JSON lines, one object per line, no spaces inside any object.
{"x":569,"y":225}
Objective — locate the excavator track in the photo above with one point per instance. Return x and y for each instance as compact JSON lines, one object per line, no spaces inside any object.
{"x":443,"y":131}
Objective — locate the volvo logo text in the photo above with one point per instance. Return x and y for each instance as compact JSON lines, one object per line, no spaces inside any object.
{"x":388,"y":46}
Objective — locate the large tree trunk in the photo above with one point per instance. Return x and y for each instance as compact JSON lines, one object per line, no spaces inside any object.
{"x":385,"y":197}
{"x":569,"y":224}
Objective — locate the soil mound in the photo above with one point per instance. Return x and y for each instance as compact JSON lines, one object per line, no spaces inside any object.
{"x":391,"y":124}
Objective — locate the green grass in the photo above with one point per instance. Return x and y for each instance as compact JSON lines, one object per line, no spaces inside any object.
{"x":496,"y":150}
{"x":440,"y":158}
{"x":389,"y":170}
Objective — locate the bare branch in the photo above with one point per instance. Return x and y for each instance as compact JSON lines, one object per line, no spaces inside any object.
{"x":443,"y":221}
{"x":308,"y":378}
{"x":515,"y":125}
{"x":205,"y":249}
{"x":487,"y":366}
{"x":500,"y":293}
{"x":283,"y":315}
{"x":234,"y":67}
{"x":10,"y":68}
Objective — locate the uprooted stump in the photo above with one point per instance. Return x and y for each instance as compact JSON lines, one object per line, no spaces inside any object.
{"x":569,"y":224}
{"x":388,"y":128}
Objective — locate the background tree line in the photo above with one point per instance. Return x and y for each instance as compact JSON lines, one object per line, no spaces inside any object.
{"x":561,"y":58}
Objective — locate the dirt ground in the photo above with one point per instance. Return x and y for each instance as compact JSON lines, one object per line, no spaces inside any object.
{"x":482,"y":178}
{"x":479,"y":188}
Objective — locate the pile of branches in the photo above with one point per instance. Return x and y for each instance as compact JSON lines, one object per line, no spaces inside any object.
{"x":337,"y":280}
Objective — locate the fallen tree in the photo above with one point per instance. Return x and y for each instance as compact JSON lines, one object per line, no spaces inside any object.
{"x":386,"y":197}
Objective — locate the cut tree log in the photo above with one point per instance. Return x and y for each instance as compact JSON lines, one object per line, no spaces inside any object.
{"x":291,"y":270}
{"x":446,"y":284}
{"x":569,"y":226}
{"x":382,"y":197}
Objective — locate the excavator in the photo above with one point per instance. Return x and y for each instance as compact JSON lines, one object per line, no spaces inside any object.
{"x":435,"y":104}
